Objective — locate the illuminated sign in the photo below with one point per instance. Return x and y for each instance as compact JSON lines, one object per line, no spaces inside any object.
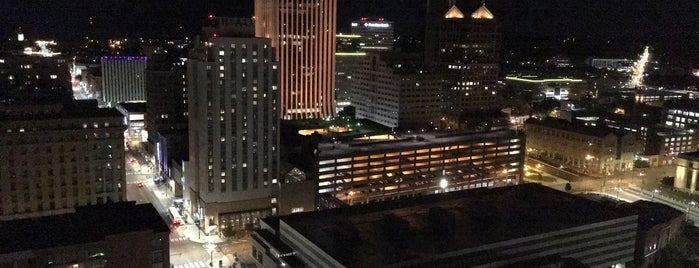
{"x":376,"y":25}
{"x":354,"y":24}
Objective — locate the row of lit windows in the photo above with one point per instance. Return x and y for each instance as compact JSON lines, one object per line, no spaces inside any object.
{"x":488,"y":146}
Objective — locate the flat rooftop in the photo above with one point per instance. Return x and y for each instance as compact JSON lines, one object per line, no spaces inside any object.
{"x":392,"y":232}
{"x":133,"y":107}
{"x":86,"y":225}
{"x":694,"y":156}
{"x":55,"y":110}
{"x":562,"y":124}
{"x":409,"y":141}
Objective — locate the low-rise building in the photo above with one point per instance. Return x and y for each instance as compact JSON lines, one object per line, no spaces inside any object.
{"x":584,"y":149}
{"x":508,"y":226}
{"x":363,"y":171}
{"x":658,"y":225}
{"x":114,"y":235}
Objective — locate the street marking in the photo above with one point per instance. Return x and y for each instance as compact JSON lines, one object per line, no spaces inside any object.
{"x":178,"y":239}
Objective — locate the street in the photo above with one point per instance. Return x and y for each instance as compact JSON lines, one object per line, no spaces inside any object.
{"x":188,"y":247}
{"x":630,"y":186}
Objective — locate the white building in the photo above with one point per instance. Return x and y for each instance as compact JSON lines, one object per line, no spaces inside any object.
{"x":123,"y":80}
{"x":395,"y":91}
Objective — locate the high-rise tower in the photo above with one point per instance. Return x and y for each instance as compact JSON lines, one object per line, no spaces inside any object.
{"x":232,"y":92}
{"x":303,"y":34}
{"x":466,"y":49}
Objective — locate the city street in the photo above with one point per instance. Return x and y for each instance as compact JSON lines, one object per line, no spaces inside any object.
{"x":631,"y":186}
{"x":187,"y":244}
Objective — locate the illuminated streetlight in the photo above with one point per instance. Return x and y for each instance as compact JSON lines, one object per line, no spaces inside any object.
{"x":655,"y":191}
{"x":351,"y":194}
{"x":210,"y":249}
{"x":691,"y":204}
{"x":443,"y":183}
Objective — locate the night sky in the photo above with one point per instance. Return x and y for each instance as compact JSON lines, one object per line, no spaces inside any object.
{"x":658,"y":23}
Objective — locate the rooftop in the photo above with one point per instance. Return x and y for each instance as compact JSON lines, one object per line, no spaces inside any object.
{"x":482,"y":13}
{"x":651,"y":214}
{"x":392,"y":232}
{"x":694,"y":156}
{"x":134,"y":107}
{"x":86,"y":225}
{"x":454,"y":13}
{"x":557,"y":123}
{"x":406,"y":140}
{"x":55,"y":110}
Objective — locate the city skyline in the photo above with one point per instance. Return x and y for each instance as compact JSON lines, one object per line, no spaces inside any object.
{"x":341,"y":133}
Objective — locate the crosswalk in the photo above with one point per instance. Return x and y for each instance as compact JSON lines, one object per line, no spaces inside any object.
{"x":177,"y":239}
{"x":197,"y":264}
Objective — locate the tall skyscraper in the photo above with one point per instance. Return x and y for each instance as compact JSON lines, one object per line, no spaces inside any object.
{"x":303,"y":34}
{"x":123,"y":79}
{"x":233,"y":97}
{"x":467,"y":51}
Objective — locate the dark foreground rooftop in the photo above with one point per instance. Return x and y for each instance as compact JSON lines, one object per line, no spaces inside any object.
{"x":86,"y":225}
{"x":391,"y":232}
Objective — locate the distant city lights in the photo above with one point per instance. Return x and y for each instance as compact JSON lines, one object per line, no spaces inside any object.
{"x":44,"y":50}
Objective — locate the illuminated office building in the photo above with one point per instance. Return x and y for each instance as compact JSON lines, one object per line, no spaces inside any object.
{"x":374,"y":34}
{"x":303,"y":34}
{"x":466,"y":49}
{"x":396,"y":90}
{"x":425,"y":163}
{"x":347,"y":58}
{"x":233,"y":97}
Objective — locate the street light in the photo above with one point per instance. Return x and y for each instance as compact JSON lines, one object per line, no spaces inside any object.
{"x":691,"y":204}
{"x":655,"y":191}
{"x":351,"y":194}
{"x":210,"y":249}
{"x":443,"y":183}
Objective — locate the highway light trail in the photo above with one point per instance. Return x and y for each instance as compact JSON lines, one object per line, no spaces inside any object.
{"x":639,"y":69}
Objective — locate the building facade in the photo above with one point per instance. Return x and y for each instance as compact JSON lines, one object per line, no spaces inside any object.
{"x":583,"y":149}
{"x":375,"y":35}
{"x":166,"y":95}
{"x":233,"y":97}
{"x":396,"y":91}
{"x":347,"y":58}
{"x":33,"y":77}
{"x":123,"y":79}
{"x":56,"y":157}
{"x":303,"y":35}
{"x":687,"y":171}
{"x":363,"y":172}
